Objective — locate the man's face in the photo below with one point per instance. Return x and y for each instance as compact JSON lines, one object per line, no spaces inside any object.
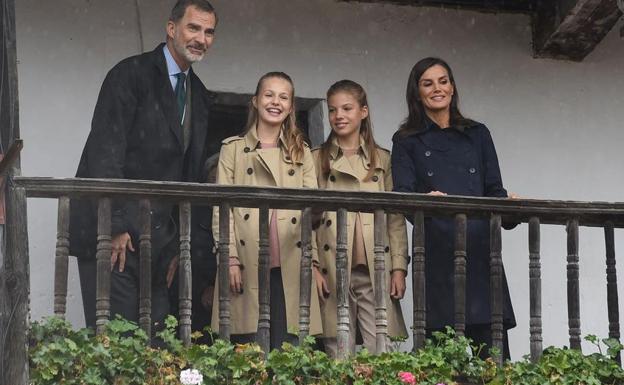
{"x":191,"y":36}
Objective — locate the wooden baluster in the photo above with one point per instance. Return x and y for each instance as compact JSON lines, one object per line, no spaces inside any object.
{"x":535,"y":289}
{"x":61,"y":259}
{"x":612,"y":293}
{"x":263,"y":336}
{"x":305,"y":277}
{"x":145,"y":267}
{"x":496,"y":284}
{"x":103,"y":256}
{"x":224,"y":271}
{"x":418,"y":280}
{"x":185,"y":273}
{"x":381,"y":316}
{"x":574,"y":299}
{"x":460,"y":274}
{"x":342,"y":286}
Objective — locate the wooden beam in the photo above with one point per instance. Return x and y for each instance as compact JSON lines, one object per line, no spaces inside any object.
{"x":570,"y":30}
{"x":488,"y":6}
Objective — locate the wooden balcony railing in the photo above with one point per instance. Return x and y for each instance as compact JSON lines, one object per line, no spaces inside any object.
{"x":417,"y":206}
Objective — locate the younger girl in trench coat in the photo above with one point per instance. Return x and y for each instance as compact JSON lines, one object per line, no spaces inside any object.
{"x":271,"y":152}
{"x":351,"y":160}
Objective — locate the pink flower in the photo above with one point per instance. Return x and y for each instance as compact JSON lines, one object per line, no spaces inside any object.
{"x":407,"y":378}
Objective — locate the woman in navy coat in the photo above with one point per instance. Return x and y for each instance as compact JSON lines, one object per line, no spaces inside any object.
{"x":438,"y":151}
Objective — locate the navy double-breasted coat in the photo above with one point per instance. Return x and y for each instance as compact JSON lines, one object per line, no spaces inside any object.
{"x":457,"y":162}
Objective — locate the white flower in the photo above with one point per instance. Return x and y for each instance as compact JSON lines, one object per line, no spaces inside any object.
{"x":191,"y":377}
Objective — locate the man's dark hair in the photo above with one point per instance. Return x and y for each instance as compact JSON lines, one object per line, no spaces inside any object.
{"x":178,"y":10}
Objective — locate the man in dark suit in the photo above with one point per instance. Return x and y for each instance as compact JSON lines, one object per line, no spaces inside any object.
{"x":150,"y":123}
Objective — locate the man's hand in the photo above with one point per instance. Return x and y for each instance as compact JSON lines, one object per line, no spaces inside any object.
{"x":120,"y":243}
{"x":397,"y":284}
{"x":171,"y":270}
{"x":207,"y":297}
{"x":321,"y":284}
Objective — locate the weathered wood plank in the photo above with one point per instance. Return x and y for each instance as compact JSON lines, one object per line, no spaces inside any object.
{"x":418,"y":280}
{"x":535,"y":290}
{"x":61,"y":260}
{"x":342,"y":286}
{"x":381,"y":291}
{"x":145,"y":267}
{"x":570,"y":30}
{"x":523,"y":6}
{"x":574,"y":296}
{"x":305,"y":275}
{"x":612,"y":291}
{"x":185,"y":273}
{"x":460,"y":274}
{"x":224,"y":271}
{"x":263,"y":337}
{"x":103,"y":255}
{"x":496,"y":285}
{"x":549,"y":212}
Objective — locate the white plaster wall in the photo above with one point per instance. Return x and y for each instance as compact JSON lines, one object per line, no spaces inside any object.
{"x":557,"y":125}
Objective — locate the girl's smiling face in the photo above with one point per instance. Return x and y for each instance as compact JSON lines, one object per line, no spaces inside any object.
{"x":345,"y":114}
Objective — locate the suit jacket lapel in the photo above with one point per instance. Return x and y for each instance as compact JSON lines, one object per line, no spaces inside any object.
{"x":167,"y":97}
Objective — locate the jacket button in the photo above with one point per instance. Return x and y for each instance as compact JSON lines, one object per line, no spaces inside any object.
{"x":299,"y":244}
{"x":242,"y":242}
{"x":157,"y":225}
{"x":328,"y":222}
{"x":472,"y":170}
{"x":375,"y":178}
{"x":429,"y":173}
{"x":324,"y":271}
{"x":246,"y":217}
{"x":291,"y":172}
{"x":246,"y":149}
{"x":326,"y":247}
{"x":287,"y":157}
{"x":368,"y":165}
{"x":294,"y":220}
{"x":387,"y":249}
{"x":427,"y":153}
{"x":250,"y":171}
{"x":332,"y":178}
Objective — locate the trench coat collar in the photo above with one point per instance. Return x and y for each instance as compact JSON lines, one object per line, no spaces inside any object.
{"x":335,"y":151}
{"x":253,"y":142}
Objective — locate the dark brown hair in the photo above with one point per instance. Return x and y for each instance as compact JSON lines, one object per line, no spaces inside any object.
{"x":366,"y":127}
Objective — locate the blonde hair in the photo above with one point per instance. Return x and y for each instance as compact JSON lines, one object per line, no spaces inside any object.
{"x":294,"y":138}
{"x":366,"y":127}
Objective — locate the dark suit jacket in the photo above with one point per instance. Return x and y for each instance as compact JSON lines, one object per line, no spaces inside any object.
{"x":136,"y":134}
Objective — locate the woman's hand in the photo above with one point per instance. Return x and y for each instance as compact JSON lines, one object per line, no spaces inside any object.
{"x":436,"y":193}
{"x":236,"y":278}
{"x":512,"y":195}
{"x":397,"y":284}
{"x":321,"y":284}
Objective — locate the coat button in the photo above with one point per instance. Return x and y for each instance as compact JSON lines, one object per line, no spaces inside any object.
{"x":375,"y":178}
{"x":299,"y":244}
{"x":250,"y":171}
{"x":246,"y":217}
{"x":427,"y":153}
{"x":326,"y":247}
{"x":291,"y":172}
{"x":368,"y":165}
{"x":294,"y":221}
{"x":472,"y":170}
{"x":387,"y":249}
{"x":328,"y":222}
{"x":324,"y":271}
{"x":429,"y":173}
{"x":242,"y":242}
{"x":246,"y":149}
{"x":332,"y":178}
{"x":287,"y":157}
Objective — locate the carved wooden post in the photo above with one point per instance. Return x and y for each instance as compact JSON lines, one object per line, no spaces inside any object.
{"x":145,"y":267}
{"x":460,"y":274}
{"x":103,"y":255}
{"x":305,"y":277}
{"x":418,"y":280}
{"x":342,"y":286}
{"x":381,"y":316}
{"x":574,"y":299}
{"x":264,"y":281}
{"x":224,"y":271}
{"x":535,"y":289}
{"x":184,"y":271}
{"x":496,"y":284}
{"x":612,"y":293}
{"x":61,"y":259}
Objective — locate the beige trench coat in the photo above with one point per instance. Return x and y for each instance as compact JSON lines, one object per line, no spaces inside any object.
{"x":241,"y":162}
{"x":343,"y":176}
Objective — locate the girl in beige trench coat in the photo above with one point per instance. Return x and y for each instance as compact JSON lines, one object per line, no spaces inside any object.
{"x":272,"y":152}
{"x":351,"y":160}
